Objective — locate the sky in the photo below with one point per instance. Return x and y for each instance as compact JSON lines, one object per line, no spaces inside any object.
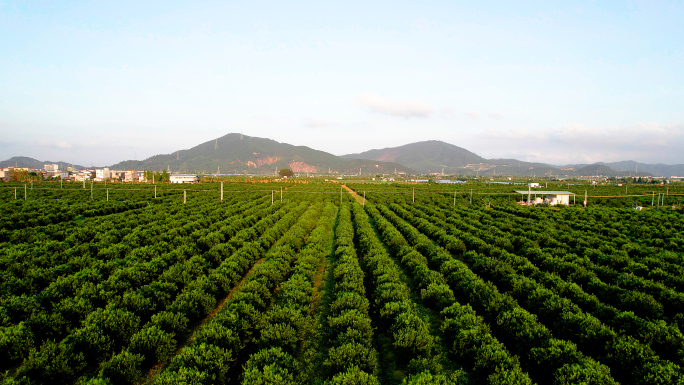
{"x":556,"y":82}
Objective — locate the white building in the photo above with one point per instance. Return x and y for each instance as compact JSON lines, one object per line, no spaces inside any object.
{"x":533,"y":185}
{"x":183,"y":179}
{"x":131,"y":176}
{"x":82,"y":175}
{"x":548,"y":197}
{"x":102,"y":174}
{"x":51,"y":167}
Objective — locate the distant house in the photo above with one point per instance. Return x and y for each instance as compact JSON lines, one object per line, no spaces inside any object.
{"x":548,"y":197}
{"x":183,"y":178}
{"x":102,"y":174}
{"x":450,"y":181}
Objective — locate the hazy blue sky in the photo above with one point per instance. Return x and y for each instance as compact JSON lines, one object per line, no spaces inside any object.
{"x":560,"y":82}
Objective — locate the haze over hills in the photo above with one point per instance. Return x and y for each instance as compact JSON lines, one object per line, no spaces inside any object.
{"x":631,"y":167}
{"x":424,"y":157}
{"x":436,"y":156}
{"x":24,"y":161}
{"x":237,"y":153}
{"x":241,"y":154}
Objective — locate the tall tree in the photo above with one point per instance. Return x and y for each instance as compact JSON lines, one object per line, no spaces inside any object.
{"x":286,"y":172}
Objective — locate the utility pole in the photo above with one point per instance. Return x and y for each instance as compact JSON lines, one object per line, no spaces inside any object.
{"x":529,"y":194}
{"x":652,"y":198}
{"x":414,"y":195}
{"x":585,"y":198}
{"x":84,"y":183}
{"x":91,"y":191}
{"x":471,"y":196}
{"x":364,"y":199}
{"x":271,"y":197}
{"x":155,"y":192}
{"x":15,"y":193}
{"x":454,"y":198}
{"x":281,"y":191}
{"x":25,"y":192}
{"x":340,"y":195}
{"x":222,"y":194}
{"x":184,"y":196}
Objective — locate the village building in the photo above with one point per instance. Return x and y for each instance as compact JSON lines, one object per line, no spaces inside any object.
{"x":546,"y":197}
{"x":180,"y":178}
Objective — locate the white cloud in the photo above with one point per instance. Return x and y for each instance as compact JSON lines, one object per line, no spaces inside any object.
{"x":405,"y":109}
{"x":494,"y":115}
{"x":448,"y":112}
{"x":472,"y":114}
{"x":319,"y":123}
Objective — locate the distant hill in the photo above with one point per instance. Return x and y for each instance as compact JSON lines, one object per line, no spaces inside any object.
{"x":241,"y":154}
{"x":597,"y":169}
{"x":660,"y":169}
{"x":425,"y":157}
{"x":237,"y":153}
{"x":433,"y":156}
{"x":23,"y":161}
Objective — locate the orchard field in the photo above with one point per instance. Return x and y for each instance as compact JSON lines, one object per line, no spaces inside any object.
{"x":292,"y":283}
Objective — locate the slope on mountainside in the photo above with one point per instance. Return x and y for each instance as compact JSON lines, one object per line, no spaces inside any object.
{"x":237,"y":153}
{"x":597,"y":169}
{"x":425,"y":157}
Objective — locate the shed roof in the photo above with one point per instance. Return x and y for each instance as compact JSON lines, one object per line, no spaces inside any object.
{"x":545,"y":192}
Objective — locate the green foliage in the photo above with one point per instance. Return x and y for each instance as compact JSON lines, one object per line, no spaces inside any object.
{"x":410,"y":293}
{"x":285,"y":172}
{"x":353,"y":376}
{"x":123,"y":368}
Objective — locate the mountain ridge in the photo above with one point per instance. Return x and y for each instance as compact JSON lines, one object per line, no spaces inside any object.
{"x":242,"y":154}
{"x":247,"y":154}
{"x":25,"y":161}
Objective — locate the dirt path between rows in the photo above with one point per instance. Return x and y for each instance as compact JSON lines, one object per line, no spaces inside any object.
{"x":356,"y":196}
{"x":156,"y":369}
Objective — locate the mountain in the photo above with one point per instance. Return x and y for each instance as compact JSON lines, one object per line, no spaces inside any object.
{"x":597,"y":169}
{"x":23,"y":161}
{"x":237,"y":153}
{"x":655,"y":169}
{"x":436,"y":157}
{"x":240,"y":154}
{"x":425,"y":157}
